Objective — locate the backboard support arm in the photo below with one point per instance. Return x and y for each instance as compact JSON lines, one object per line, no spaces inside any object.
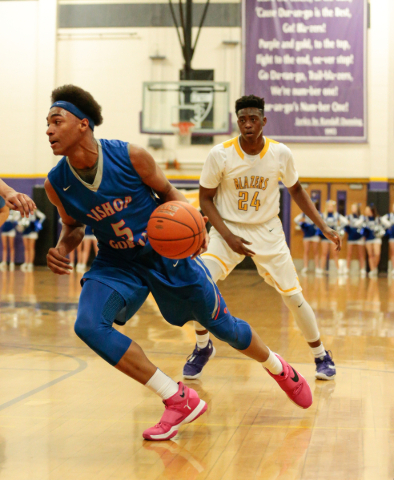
{"x":186,"y":19}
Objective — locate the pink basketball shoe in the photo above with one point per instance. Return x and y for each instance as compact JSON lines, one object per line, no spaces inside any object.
{"x":293,"y":384}
{"x":183,"y":407}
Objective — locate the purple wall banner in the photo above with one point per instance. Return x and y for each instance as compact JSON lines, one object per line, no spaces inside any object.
{"x":307,"y":58}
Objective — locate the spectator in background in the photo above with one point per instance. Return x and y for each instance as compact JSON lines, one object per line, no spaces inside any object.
{"x":76,"y":256}
{"x":355,"y":220}
{"x":373,"y":231}
{"x":388,"y":224}
{"x":311,"y":237}
{"x":89,"y":240}
{"x":30,"y":226}
{"x":4,"y":211}
{"x":16,"y":201}
{"x":337,"y":222}
{"x":8,"y":238}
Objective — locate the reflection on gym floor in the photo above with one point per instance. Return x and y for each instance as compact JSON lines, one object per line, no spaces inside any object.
{"x":66,"y":414}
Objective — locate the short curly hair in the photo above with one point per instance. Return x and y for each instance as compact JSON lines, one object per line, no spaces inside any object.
{"x":81,"y":99}
{"x":249,"y":101}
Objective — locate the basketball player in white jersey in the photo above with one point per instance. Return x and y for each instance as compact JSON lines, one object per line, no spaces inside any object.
{"x":239,"y":192}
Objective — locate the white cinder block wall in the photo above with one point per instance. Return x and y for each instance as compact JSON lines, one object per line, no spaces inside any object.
{"x":18,"y":83}
{"x":113,"y":63}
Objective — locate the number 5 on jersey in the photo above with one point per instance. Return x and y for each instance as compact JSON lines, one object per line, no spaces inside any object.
{"x":243,"y":201}
{"x":122,"y":232}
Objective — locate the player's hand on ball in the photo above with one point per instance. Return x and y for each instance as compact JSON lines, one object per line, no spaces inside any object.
{"x":204,"y":246}
{"x":20,"y":202}
{"x":238,"y":245}
{"x":58,"y":263}
{"x":332,"y":235}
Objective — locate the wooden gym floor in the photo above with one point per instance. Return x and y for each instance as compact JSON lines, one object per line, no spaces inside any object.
{"x":67,"y":415}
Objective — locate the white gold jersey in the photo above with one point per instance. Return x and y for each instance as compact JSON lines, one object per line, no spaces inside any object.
{"x":248,"y":185}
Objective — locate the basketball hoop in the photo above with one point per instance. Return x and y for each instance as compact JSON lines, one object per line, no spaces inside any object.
{"x":183,"y":130}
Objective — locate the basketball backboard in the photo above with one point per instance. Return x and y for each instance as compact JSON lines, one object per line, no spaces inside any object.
{"x":204,"y":103}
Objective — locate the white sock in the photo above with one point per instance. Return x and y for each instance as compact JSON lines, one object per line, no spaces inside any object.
{"x":273,"y":364}
{"x":164,"y":386}
{"x":202,"y":340}
{"x":319,"y":351}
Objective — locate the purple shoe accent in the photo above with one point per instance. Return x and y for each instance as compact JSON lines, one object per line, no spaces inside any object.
{"x":197,"y":360}
{"x":325,"y":367}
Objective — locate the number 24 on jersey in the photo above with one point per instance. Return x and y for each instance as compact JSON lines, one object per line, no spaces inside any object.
{"x":244,"y":199}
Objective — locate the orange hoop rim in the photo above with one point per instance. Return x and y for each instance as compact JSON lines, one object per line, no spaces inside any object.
{"x":184,"y":127}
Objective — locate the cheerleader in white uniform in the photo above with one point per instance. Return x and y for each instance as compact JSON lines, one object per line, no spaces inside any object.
{"x":353,"y":228}
{"x":89,"y":240}
{"x":337,"y":222}
{"x":373,"y":231}
{"x":388,"y":224}
{"x":8,"y":238}
{"x":30,"y":227}
{"x":310,"y":238}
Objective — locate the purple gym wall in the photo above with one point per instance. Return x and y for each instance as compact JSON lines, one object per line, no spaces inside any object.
{"x":308,"y":60}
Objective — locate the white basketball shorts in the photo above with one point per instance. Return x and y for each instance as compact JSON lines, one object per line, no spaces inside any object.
{"x":272,"y":255}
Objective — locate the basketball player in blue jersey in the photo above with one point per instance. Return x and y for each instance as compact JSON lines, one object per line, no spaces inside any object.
{"x":114,"y":187}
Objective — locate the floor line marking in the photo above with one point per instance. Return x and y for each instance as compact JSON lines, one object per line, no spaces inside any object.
{"x":222,"y":425}
{"x":36,"y":369}
{"x":82,"y":365}
{"x":153,"y":352}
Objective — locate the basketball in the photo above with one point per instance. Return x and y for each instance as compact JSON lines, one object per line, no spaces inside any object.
{"x":176,"y":230}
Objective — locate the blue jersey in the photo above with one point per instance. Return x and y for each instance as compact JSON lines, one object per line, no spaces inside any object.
{"x":88,"y":231}
{"x":307,"y":226}
{"x":117,"y":205}
{"x":2,"y":202}
{"x":33,"y":223}
{"x":388,"y":222}
{"x":370,"y":228}
{"x":353,"y":227}
{"x":11,"y":222}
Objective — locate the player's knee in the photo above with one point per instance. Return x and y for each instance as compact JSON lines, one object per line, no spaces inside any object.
{"x":92,"y":323}
{"x":304,"y":316}
{"x":91,"y":330}
{"x":294,"y":301}
{"x":83,"y":328}
{"x":235,"y":332}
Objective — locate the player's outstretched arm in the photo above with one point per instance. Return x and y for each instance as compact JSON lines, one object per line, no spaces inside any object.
{"x":303,"y":200}
{"x":237,"y":244}
{"x":153,"y":176}
{"x":17,"y":201}
{"x":70,"y":237}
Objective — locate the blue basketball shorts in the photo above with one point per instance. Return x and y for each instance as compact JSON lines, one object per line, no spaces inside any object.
{"x":183,"y":291}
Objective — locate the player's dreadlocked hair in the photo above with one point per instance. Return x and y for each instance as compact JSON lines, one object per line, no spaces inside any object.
{"x":81,"y":99}
{"x":250,"y":101}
